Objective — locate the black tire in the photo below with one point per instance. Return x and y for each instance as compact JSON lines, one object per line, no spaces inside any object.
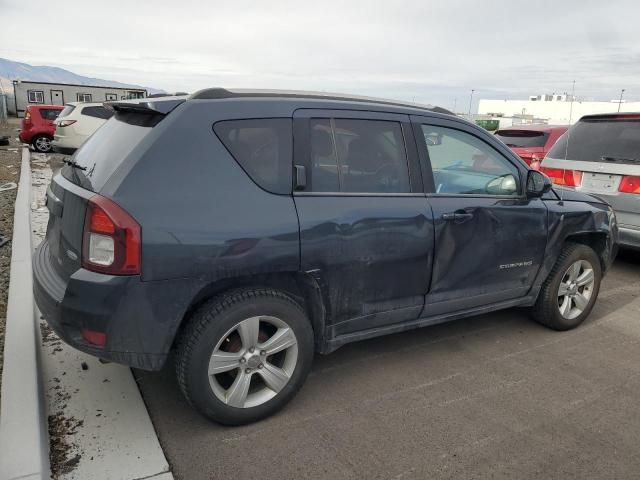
{"x":205,"y":330}
{"x":39,"y":146}
{"x":546,"y":310}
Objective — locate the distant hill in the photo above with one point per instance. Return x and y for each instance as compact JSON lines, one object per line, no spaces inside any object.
{"x":10,"y":70}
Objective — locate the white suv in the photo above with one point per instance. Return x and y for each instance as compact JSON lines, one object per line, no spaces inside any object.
{"x":76,"y":123}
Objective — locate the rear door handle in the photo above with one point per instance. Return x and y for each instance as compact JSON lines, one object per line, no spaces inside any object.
{"x":458,"y":215}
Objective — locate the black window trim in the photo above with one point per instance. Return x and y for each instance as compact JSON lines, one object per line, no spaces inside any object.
{"x":427,"y":173}
{"x":302,"y":148}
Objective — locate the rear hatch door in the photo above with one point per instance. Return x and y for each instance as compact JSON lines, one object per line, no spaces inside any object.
{"x":83,"y":176}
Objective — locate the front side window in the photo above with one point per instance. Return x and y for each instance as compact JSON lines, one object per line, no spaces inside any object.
{"x":35,"y":96}
{"x":84,"y":97}
{"x":358,"y":156}
{"x":464,"y":164}
{"x":263,"y":148}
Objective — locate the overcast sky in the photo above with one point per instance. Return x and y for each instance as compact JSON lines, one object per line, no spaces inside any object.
{"x":425,"y":50}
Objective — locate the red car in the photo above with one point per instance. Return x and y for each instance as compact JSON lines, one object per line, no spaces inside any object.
{"x":531,"y":142}
{"x":37,"y":126}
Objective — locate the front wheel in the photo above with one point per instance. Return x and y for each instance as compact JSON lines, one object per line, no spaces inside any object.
{"x":244,"y":355}
{"x":571,"y":289}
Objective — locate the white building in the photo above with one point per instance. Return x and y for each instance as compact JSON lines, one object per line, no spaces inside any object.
{"x":27,"y":92}
{"x":555,"y":109}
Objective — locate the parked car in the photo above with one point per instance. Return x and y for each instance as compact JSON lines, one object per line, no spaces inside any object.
{"x":531,"y":142}
{"x":76,"y":123}
{"x":37,"y":126}
{"x":603,"y":158}
{"x":245,"y":231}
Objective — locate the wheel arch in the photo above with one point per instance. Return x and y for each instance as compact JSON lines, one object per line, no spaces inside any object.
{"x":597,"y":241}
{"x":300,"y":286}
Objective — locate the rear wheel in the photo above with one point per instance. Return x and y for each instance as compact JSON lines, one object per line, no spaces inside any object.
{"x":570,"y":291}
{"x":42,"y":143}
{"x":244,"y":355}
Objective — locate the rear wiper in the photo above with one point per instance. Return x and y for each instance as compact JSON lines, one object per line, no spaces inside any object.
{"x":620,"y":159}
{"x":72,"y":163}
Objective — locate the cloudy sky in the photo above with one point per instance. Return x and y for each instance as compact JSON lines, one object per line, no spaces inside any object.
{"x":425,"y":50}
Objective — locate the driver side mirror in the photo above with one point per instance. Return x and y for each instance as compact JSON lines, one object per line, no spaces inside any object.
{"x":537,"y":183}
{"x":504,"y":185}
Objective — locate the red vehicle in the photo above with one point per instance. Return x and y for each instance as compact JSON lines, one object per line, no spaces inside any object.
{"x":37,"y":126}
{"x":531,"y":142}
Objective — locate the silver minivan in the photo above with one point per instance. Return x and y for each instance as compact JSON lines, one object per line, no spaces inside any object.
{"x":600,"y":154}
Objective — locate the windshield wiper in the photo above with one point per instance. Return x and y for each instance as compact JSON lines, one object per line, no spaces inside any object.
{"x":72,"y":163}
{"x":620,"y":159}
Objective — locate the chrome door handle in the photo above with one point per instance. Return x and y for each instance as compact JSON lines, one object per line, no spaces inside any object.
{"x":457,"y":216}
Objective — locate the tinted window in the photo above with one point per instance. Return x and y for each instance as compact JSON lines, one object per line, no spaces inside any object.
{"x":359,"y":156}
{"x":97,"y":112}
{"x":592,"y":139}
{"x":67,"y":110}
{"x":49,"y":113}
{"x":263,"y":148}
{"x":464,"y":164}
{"x":105,"y":150}
{"x":522,"y":138}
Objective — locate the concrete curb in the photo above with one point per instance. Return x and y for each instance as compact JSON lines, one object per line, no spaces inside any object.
{"x":24,"y":439}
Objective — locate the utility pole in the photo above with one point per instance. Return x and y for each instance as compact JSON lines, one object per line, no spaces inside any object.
{"x":470,"y":100}
{"x":620,"y":102}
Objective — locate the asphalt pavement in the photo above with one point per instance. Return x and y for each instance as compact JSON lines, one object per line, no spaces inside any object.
{"x":493,"y":396}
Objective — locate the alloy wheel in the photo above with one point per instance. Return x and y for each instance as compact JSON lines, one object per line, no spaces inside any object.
{"x":253,"y":361}
{"x":576,"y":288}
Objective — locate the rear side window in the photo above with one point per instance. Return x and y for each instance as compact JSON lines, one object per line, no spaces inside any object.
{"x":97,"y":112}
{"x":105,"y":150}
{"x":522,"y":138}
{"x":263,"y":148}
{"x":595,"y":140}
{"x":358,"y":156}
{"x":49,"y":113}
{"x":67,"y":110}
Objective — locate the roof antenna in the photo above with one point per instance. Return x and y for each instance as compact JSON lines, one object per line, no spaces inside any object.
{"x":566,"y":145}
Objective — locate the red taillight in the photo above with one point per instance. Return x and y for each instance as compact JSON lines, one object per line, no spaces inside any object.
{"x":629,"y":184}
{"x":66,"y":123}
{"x":560,"y":176}
{"x":93,"y":337}
{"x":111,"y":241}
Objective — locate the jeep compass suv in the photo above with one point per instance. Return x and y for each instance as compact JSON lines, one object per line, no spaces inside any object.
{"x":245,"y":230}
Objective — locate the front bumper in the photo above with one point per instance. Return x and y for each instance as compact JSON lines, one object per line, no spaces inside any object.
{"x":140,"y":319}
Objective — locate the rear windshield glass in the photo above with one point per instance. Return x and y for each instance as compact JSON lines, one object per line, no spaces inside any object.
{"x":49,"y":113}
{"x":522,"y":138}
{"x":595,"y":140}
{"x":67,"y":110}
{"x":104,"y":151}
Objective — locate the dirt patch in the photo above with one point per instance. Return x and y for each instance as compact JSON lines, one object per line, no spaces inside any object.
{"x":63,"y":453}
{"x":10,"y":160}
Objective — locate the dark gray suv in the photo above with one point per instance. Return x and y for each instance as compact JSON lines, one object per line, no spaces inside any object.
{"x":245,"y":231}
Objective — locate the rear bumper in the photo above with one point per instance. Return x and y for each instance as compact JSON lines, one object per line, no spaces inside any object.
{"x":140,"y":319}
{"x":629,"y":236}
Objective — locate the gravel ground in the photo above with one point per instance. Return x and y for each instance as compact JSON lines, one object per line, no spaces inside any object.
{"x":10,"y":158}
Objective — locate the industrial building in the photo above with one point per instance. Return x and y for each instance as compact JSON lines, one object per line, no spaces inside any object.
{"x":28,"y":92}
{"x":553,"y":108}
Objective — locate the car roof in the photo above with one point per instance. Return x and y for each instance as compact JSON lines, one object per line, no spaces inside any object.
{"x":223,"y":93}
{"x":540,"y":127}
{"x":612,"y":116}
{"x":42,"y":105}
{"x":85,"y":104}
